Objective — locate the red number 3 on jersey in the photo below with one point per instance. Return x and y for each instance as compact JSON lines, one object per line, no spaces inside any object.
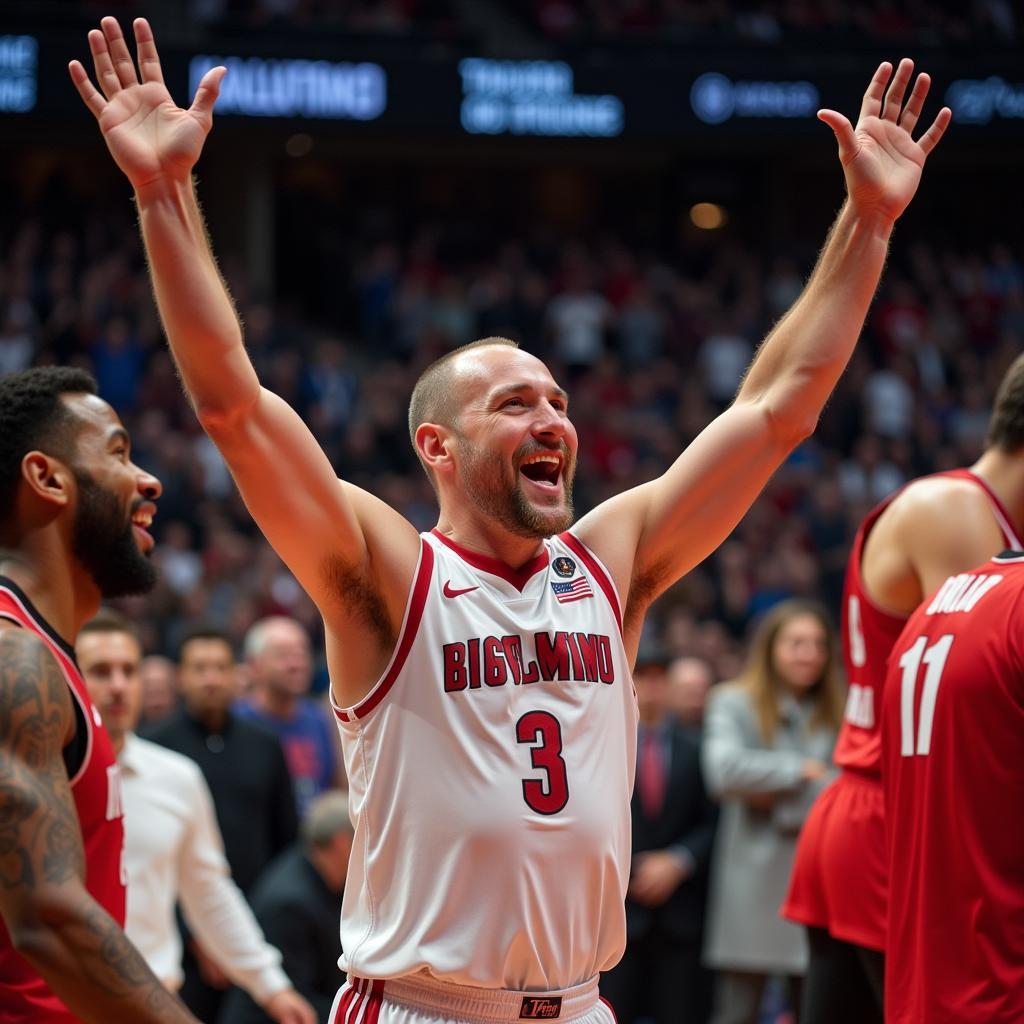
{"x":543,"y":729}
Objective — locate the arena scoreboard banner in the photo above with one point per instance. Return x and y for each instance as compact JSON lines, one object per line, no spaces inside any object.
{"x":628,"y":96}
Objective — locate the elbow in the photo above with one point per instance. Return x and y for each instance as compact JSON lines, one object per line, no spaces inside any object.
{"x":30,"y":938}
{"x":33,"y":928}
{"x":791,"y":424}
{"x":223,"y":418}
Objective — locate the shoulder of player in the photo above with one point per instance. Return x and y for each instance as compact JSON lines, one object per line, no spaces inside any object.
{"x":371,"y":592}
{"x":939,"y":506}
{"x":31,"y":684}
{"x":610,"y":533}
{"x":387,"y":531}
{"x":929,"y":492}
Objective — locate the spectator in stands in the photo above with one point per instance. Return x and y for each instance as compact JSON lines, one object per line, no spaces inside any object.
{"x":297,"y":901}
{"x":689,"y":681}
{"x":245,"y":768}
{"x":173,"y":850}
{"x":660,"y":976}
{"x":159,"y":679}
{"x":280,"y":664}
{"x":767,"y":747}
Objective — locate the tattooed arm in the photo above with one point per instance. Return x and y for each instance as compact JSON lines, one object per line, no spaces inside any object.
{"x":53,"y":922}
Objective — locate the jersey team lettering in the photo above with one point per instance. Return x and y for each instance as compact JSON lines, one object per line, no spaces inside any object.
{"x":571,"y":657}
{"x":962,"y":592}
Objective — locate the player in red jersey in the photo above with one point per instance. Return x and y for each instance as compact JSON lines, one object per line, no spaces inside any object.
{"x":73,"y":517}
{"x":936,"y":526}
{"x":953,"y":769}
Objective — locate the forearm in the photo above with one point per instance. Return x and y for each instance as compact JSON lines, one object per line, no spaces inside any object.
{"x":195,"y":307}
{"x":803,"y":357}
{"x":225,"y":926}
{"x":91,"y":966}
{"x":732,"y":772}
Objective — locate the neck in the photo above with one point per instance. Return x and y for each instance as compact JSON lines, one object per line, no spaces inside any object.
{"x":53,"y":581}
{"x":488,"y":538}
{"x":117,"y":741}
{"x":1002,"y":472}
{"x":213,"y":719}
{"x":800,"y":693}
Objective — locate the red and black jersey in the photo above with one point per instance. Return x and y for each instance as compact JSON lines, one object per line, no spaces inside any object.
{"x":953,"y":775}
{"x":95,"y":786}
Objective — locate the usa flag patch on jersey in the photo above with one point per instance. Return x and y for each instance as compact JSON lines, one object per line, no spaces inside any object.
{"x":576,"y":590}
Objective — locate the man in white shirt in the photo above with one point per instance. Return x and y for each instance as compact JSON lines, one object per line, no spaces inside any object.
{"x":173,"y":848}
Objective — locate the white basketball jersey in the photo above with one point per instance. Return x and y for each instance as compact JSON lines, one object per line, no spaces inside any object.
{"x":490,"y":772}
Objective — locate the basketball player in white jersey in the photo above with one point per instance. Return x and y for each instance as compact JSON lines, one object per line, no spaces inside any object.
{"x":481,"y":672}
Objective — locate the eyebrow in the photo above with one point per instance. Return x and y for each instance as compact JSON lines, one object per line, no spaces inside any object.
{"x":513,"y":389}
{"x":118,"y":434}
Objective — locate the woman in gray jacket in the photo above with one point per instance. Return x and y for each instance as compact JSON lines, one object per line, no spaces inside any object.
{"x":767,"y":748}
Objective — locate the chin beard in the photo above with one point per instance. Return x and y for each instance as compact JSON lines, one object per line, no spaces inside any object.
{"x":526,"y":520}
{"x":104,"y":543}
{"x":507,"y":505}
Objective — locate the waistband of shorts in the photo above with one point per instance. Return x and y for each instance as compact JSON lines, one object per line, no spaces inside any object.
{"x":486,"y":1005}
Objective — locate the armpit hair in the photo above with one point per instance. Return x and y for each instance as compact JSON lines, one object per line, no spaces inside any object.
{"x":357,"y":595}
{"x":645,"y":587}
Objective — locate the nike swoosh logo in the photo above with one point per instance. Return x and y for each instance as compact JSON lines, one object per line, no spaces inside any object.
{"x":448,"y":592}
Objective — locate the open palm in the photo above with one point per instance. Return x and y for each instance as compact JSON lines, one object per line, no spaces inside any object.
{"x":881,"y":160}
{"x":149,"y":136}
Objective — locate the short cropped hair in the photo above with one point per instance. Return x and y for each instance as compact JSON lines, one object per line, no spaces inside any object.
{"x":433,"y":397}
{"x":32,"y":416}
{"x":204,"y":632}
{"x":1006,"y":428}
{"x":326,"y":817}
{"x":108,"y":620}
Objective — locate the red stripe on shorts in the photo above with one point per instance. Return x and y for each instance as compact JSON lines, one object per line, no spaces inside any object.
{"x":339,"y":1014}
{"x":376,"y":999}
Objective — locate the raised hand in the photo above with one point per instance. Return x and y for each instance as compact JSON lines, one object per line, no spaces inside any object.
{"x":880,"y":158}
{"x":149,"y":136}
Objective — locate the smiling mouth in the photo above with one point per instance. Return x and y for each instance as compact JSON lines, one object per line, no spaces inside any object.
{"x":543,"y":468}
{"x":142,"y":520}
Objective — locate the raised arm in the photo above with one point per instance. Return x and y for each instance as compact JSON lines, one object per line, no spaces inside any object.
{"x":329,"y":534}
{"x":664,"y":528}
{"x":54,"y":923}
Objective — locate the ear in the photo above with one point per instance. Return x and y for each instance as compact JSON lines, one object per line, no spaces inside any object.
{"x":47,"y":478}
{"x":434,"y":445}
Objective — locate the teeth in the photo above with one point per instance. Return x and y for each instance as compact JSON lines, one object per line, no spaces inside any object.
{"x":142,"y":519}
{"x":541,"y":458}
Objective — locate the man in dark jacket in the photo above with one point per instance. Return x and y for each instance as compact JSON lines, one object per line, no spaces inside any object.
{"x":245,"y":768}
{"x":660,"y":975}
{"x":297,"y":902}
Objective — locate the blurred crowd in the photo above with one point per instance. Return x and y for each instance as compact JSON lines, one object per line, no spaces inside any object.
{"x":651,"y":348}
{"x":758,"y":22}
{"x":651,"y":344}
{"x":761,"y":21}
{"x":768,"y":21}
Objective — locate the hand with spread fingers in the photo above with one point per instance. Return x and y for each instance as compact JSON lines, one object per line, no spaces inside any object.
{"x":149,"y":136}
{"x":881,"y":160}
